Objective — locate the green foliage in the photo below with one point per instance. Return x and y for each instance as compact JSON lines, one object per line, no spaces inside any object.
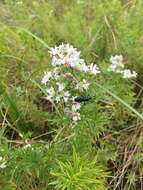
{"x":6,"y":185}
{"x":110,"y":130}
{"x":79,"y":173}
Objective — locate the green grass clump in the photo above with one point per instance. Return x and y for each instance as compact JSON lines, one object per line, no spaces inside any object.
{"x":80,"y":173}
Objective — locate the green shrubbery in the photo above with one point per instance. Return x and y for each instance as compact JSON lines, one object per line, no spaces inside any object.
{"x":39,"y":149}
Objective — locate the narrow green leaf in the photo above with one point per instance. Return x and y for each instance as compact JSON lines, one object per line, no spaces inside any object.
{"x":120,"y":100}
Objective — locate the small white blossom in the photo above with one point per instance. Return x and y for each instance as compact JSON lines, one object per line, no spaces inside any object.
{"x":55,"y":73}
{"x":73,"y":98}
{"x":72,"y":125}
{"x":3,"y":165}
{"x":53,"y":51}
{"x":93,"y":69}
{"x":50,"y":92}
{"x":46,"y":77}
{"x":116,"y":59}
{"x":65,"y":54}
{"x":116,"y":64}
{"x":85,"y":84}
{"x":61,"y":86}
{"x":76,"y":117}
{"x":84,"y":67}
{"x":112,"y":67}
{"x":1,"y":158}
{"x":57,"y":62}
{"x":128,"y":74}
{"x":76,"y":106}
{"x":21,"y":135}
{"x":66,"y":96}
{"x":58,"y":98}
{"x":27,"y":146}
{"x":79,"y":86}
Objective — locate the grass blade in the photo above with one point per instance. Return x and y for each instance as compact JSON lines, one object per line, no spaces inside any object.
{"x":120,"y":100}
{"x":36,"y":37}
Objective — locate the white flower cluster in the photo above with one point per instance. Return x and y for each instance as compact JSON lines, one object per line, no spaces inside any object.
{"x":67,"y":55}
{"x":117,"y":66}
{"x":50,"y":75}
{"x":127,"y":73}
{"x":60,"y":82}
{"x":2,"y":163}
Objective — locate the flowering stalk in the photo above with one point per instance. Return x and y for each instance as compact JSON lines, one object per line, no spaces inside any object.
{"x":117,"y":66}
{"x":61,"y":85}
{"x":70,"y":76}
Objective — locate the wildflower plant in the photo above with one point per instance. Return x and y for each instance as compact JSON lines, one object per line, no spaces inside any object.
{"x":79,"y":173}
{"x":69,"y":78}
{"x":104,"y":106}
{"x":117,"y":66}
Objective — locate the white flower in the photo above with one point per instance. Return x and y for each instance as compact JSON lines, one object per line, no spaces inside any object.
{"x":51,"y":92}
{"x":3,"y":165}
{"x":61,"y":86}
{"x":73,"y":98}
{"x":116,"y":59}
{"x":112,"y":67}
{"x":82,"y":85}
{"x":1,"y":158}
{"x":128,"y":74}
{"x":115,"y":68}
{"x":134,"y":74}
{"x":116,"y":64}
{"x":66,"y":96}
{"x":93,"y":69}
{"x":55,"y":73}
{"x":57,"y":61}
{"x":27,"y":146}
{"x":21,"y":135}
{"x":78,"y":86}
{"x":58,"y":98}
{"x":76,"y":117}
{"x":53,"y":51}
{"x":84,"y":67}
{"x":65,"y":54}
{"x":46,"y":77}
{"x":85,"y":84}
{"x":76,"y":106}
